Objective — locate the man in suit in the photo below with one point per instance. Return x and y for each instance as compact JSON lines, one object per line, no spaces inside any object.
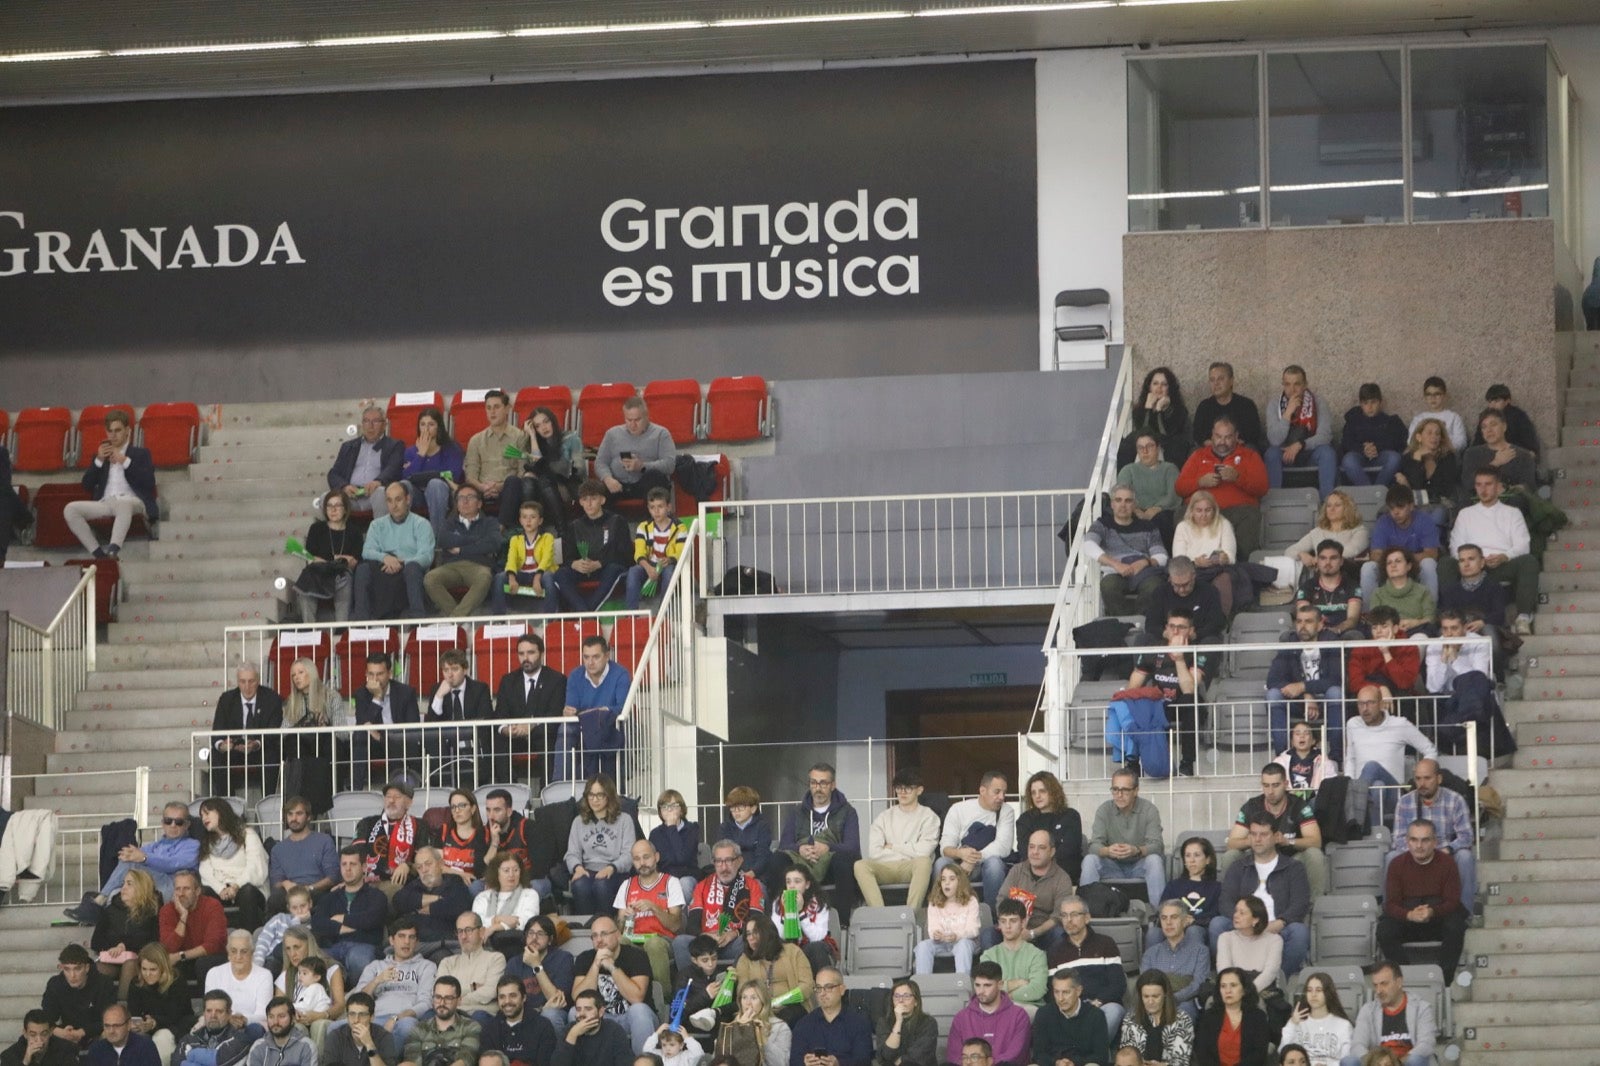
{"x":458,"y":698}
{"x":384,"y":701}
{"x":530,"y":691}
{"x":121,"y":483}
{"x":242,"y":752}
{"x":368,"y":464}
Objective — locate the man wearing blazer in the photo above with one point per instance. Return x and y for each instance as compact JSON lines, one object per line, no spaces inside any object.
{"x":533,"y":690}
{"x":243,"y":752}
{"x":459,"y":698}
{"x":367,"y":464}
{"x":384,"y":701}
{"x":121,"y":483}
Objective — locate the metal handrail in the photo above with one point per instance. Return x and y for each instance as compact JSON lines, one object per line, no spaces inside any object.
{"x":47,"y":667}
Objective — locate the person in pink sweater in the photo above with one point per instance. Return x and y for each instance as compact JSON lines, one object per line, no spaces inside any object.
{"x":952,"y":922}
{"x":990,"y":1015}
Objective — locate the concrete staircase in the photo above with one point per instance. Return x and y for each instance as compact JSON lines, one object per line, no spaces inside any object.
{"x":1537,"y":955}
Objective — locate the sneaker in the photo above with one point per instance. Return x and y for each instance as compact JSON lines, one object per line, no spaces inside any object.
{"x":1185,"y":770}
{"x":101,"y":553}
{"x":113,"y":551}
{"x":1524,"y":625}
{"x":1131,"y":764}
{"x":703,"y":1020}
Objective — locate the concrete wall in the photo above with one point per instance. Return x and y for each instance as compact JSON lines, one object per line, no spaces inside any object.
{"x":1392,"y":304}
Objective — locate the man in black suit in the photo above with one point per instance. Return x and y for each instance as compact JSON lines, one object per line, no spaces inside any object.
{"x":458,"y":698}
{"x":368,"y":464}
{"x":121,"y":483}
{"x":384,"y":701}
{"x":243,"y":753}
{"x":530,"y":691}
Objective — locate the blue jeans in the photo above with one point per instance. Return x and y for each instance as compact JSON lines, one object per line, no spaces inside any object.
{"x":1282,"y":711}
{"x":1296,"y":941}
{"x":1113,"y":1013}
{"x":680,"y":951}
{"x":570,"y":764}
{"x":436,"y":495}
{"x":571,"y":598}
{"x":120,"y":874}
{"x":1380,"y":811}
{"x":1354,"y":465}
{"x":636,"y":579}
{"x":591,"y":894}
{"x":963,"y":951}
{"x":353,"y":955}
{"x":1152,"y":868}
{"x":1321,"y":456}
{"x":991,"y":875}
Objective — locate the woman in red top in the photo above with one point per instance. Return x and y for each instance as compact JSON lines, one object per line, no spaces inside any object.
{"x":1233,"y":1031}
{"x":463,"y":843}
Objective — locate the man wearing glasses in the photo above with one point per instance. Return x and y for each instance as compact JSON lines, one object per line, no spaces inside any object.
{"x":822,"y":835}
{"x":1126,"y":841}
{"x":719,"y":906}
{"x":174,"y":850}
{"x":360,"y":1043}
{"x":831,"y":1035}
{"x":900,"y":844}
{"x":448,"y":1036}
{"x":1095,"y":961}
{"x":367,"y":464}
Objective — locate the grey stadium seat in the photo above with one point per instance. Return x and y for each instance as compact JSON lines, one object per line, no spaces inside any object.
{"x":881,"y":940}
{"x":1356,"y":868}
{"x":1344,"y":930}
{"x":349,"y":808}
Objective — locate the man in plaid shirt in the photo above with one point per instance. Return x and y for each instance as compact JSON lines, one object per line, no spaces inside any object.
{"x":1452,"y":821}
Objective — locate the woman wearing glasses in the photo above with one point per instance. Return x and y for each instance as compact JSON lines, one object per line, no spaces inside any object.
{"x":599,"y":848}
{"x":905,"y":1036}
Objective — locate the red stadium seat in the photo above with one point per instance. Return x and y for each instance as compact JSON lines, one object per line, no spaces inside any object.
{"x":289,"y":645}
{"x":556,"y":397}
{"x":467,"y":415}
{"x":5,"y":424}
{"x":675,"y":405}
{"x":600,"y":408}
{"x":737,"y":408}
{"x":49,"y":508}
{"x":686,"y":502}
{"x":92,"y":426}
{"x":494,"y":651}
{"x":563,"y":641}
{"x":404,"y":407}
{"x":107,"y":587}
{"x":351,"y":651}
{"x":422,"y":649}
{"x":628,"y":638}
{"x":172,"y":433}
{"x":41,"y":438}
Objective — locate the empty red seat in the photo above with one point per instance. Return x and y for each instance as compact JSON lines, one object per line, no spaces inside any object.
{"x":289,"y":645}
{"x":494,"y":651}
{"x":107,"y":587}
{"x":676,"y":406}
{"x":50,"y":522}
{"x":556,"y":397}
{"x":422,"y":649}
{"x":628,"y":638}
{"x":41,"y":438}
{"x":738,"y":408}
{"x":600,"y":408}
{"x":467,"y":415}
{"x":172,"y":433}
{"x":92,"y":428}
{"x":351,"y":651}
{"x":405,"y":408}
{"x":5,"y":424}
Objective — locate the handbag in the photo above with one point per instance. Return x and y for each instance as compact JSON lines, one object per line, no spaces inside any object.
{"x":319,"y":579}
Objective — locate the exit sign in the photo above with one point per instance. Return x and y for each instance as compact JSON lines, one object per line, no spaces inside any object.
{"x":996,"y":679}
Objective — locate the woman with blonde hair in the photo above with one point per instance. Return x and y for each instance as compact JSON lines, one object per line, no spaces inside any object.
{"x":158,"y":1003}
{"x":755,"y":1036}
{"x":1337,"y":519}
{"x":1206,"y":537}
{"x":127,"y":923}
{"x":298,"y":945}
{"x":308,"y":758}
{"x":1430,"y":468}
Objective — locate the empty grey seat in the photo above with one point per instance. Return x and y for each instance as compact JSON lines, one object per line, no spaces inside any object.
{"x":1356,"y":868}
{"x":1256,"y":627}
{"x":1128,"y":932}
{"x":520,"y":794}
{"x":881,"y":940}
{"x":348,"y":809}
{"x":1344,"y":930}
{"x":1427,"y":980}
{"x":1368,"y":500}
{"x":1239,"y":716}
{"x":1083,"y":315}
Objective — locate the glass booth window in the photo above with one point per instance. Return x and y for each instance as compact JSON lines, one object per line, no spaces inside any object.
{"x":1194,"y":153}
{"x":1334,"y":138}
{"x":1483,"y":111}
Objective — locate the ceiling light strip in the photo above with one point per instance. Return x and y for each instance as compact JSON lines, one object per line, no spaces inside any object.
{"x":1319,"y":186}
{"x":1013,"y":9}
{"x":618,"y":27}
{"x":795,"y":20}
{"x":201,"y":49}
{"x":50,"y":57}
{"x":1504,"y":190}
{"x":410,"y":38}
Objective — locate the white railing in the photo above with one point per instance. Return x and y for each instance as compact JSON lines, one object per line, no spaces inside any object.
{"x":47,"y":667}
{"x":74,"y":855}
{"x":1078,"y":595}
{"x":947,"y":542}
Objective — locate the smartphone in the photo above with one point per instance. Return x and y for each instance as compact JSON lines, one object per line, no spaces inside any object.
{"x":1217,"y":469}
{"x":626,"y":455}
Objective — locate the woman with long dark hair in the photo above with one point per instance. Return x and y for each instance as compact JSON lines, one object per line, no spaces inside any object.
{"x":781,"y":968}
{"x":599,"y":848}
{"x":1319,"y":1023}
{"x":427,"y":462}
{"x":1156,"y":1026}
{"x":905,"y":1035}
{"x":555,"y":464}
{"x":1233,"y":1031}
{"x":233,"y":864}
{"x":463,"y":842}
{"x":1046,"y":807}
{"x":1158,"y":408}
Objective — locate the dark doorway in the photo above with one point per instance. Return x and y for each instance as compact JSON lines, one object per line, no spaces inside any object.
{"x":955,"y":735}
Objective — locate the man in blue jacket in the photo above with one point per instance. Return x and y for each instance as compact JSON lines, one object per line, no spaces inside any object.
{"x":596,"y":692}
{"x":823,"y":835}
{"x":121,"y":483}
{"x":1306,"y":680}
{"x":368,"y":464}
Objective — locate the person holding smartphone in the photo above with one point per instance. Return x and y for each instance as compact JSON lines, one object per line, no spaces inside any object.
{"x":636,"y":456}
{"x":1319,"y":1023}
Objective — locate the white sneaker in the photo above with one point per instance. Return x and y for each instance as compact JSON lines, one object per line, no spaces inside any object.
{"x":703,"y":1020}
{"x":1524,"y":625}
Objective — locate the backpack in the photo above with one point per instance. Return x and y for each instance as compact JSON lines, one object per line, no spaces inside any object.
{"x":1103,"y":900}
{"x":745,"y":581}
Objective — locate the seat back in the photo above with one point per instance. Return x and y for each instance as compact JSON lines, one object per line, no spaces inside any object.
{"x":1368,"y":500}
{"x":737,"y":409}
{"x":559,"y":791}
{"x":1083,"y":315}
{"x":1128,"y":932}
{"x":519,"y":794}
{"x":91,"y":428}
{"x":943,"y":995}
{"x":556,"y":397}
{"x":675,"y":404}
{"x":1344,"y":930}
{"x":348,"y":809}
{"x":40,"y":439}
{"x":172,"y":433}
{"x":350,"y":655}
{"x":1255,"y":627}
{"x":1356,"y":868}
{"x":1348,"y":980}
{"x":600,"y":408}
{"x":881,"y":940}
{"x":494,"y":650}
{"x":289,"y":645}
{"x":404,"y":408}
{"x":1427,"y":980}
{"x":1239,"y":716}
{"x":467,"y":415}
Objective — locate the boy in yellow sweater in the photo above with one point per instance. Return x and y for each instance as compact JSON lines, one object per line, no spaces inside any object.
{"x":657,"y":546}
{"x":530,"y":560}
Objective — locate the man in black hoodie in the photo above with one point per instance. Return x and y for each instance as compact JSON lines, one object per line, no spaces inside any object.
{"x":596,"y":546}
{"x":37,"y":1046}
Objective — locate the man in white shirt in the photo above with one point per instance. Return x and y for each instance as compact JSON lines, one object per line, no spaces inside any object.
{"x":1501,"y":533}
{"x":901,"y":844}
{"x":979,"y":834}
{"x":1375,"y":745}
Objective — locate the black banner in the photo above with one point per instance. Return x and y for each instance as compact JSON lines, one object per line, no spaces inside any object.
{"x":514,"y":209}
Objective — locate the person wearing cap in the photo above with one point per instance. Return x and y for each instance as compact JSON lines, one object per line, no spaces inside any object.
{"x":77,"y":996}
{"x":1520,"y":429}
{"x":392,"y":839}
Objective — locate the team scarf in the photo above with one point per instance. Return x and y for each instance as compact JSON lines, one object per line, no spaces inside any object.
{"x":1305,"y":417}
{"x":391,"y":841}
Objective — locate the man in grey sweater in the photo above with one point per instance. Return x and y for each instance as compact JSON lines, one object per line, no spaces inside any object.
{"x":1130,"y":553}
{"x":1300,"y":433}
{"x":1394,"y":1020}
{"x":285,"y":1044}
{"x":636,"y":456}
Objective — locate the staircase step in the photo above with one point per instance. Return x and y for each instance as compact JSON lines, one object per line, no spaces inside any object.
{"x":263,"y":611}
{"x":1570,"y":687}
{"x":259,"y":438}
{"x":1564,"y":602}
{"x":144,"y":575}
{"x":226,"y":526}
{"x":1537,"y":808}
{"x":1567,"y":916}
{"x":130,"y":680}
{"x":1520,"y":1040}
{"x":262,"y":546}
{"x":1551,"y":827}
{"x":289,"y":444}
{"x":172,"y":756}
{"x":181,"y":719}
{"x":325,"y":412}
{"x":295,"y":486}
{"x":1510,"y":870}
{"x":1530,"y":940}
{"x":1535,"y":737}
{"x":187,"y":701}
{"x":1559,"y":580}
{"x":155,"y":655}
{"x":1569,"y":624}
{"x":295,"y":508}
{"x":1507,"y":967}
{"x":1559,"y":848}
{"x":248,"y":590}
{"x":1479,"y":1055}
{"x":162,"y":632}
{"x":1566,"y":756}
{"x":1503,"y":1015}
{"x":1536,"y":893}
{"x":1545,"y":667}
{"x":1551,"y":710}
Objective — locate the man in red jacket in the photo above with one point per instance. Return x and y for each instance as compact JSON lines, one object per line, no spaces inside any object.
{"x":1236,"y":475}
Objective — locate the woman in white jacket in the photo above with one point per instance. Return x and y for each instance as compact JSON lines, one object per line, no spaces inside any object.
{"x":233,"y":864}
{"x":1319,"y":1023}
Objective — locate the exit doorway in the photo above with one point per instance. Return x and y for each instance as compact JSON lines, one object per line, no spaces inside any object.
{"x":956,"y":735}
